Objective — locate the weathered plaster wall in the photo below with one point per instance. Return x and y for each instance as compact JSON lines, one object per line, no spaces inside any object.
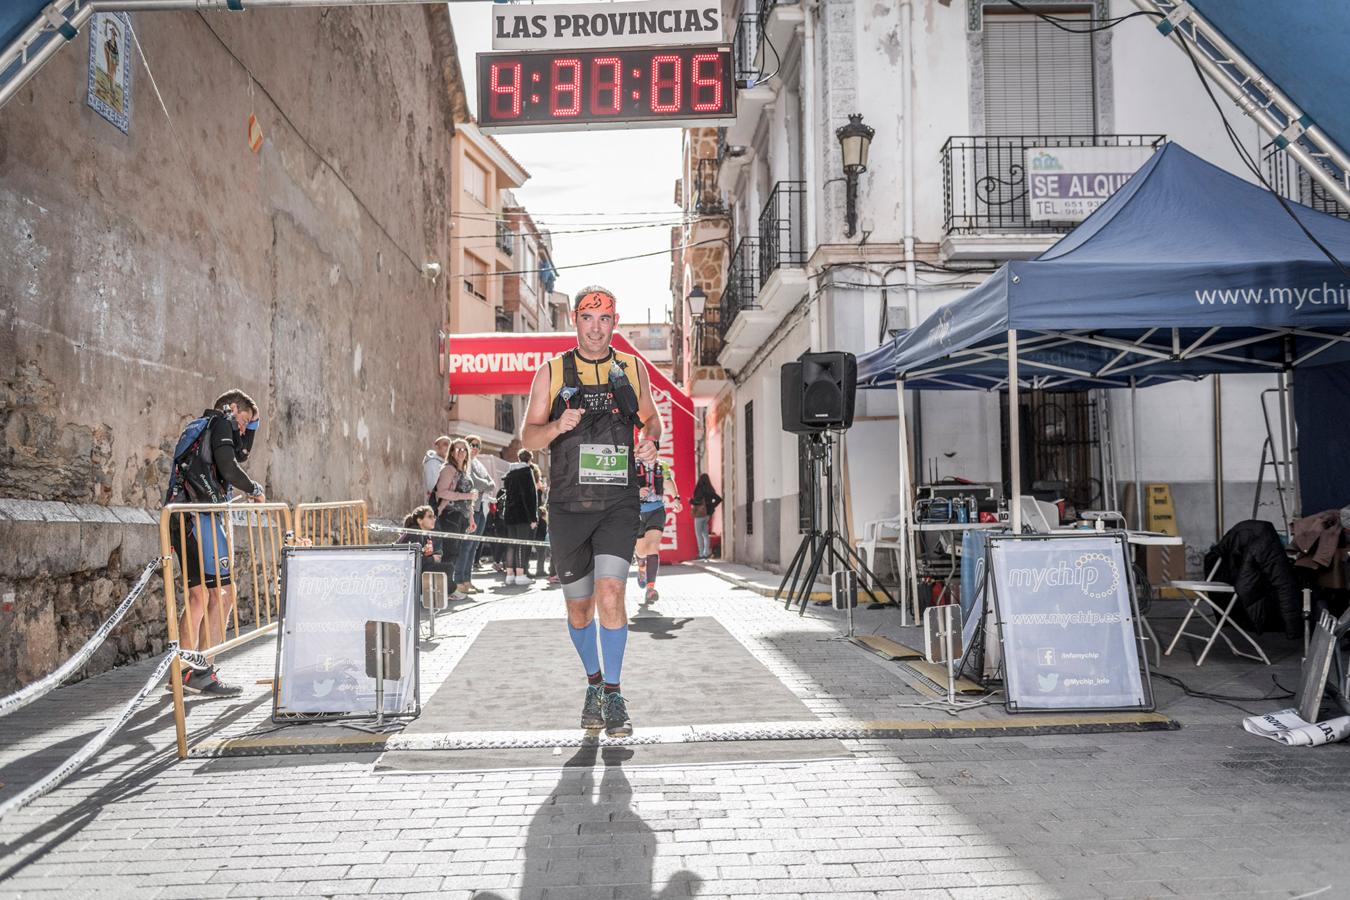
{"x":142,"y":274}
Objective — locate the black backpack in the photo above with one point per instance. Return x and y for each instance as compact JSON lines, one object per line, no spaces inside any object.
{"x":192,"y":475}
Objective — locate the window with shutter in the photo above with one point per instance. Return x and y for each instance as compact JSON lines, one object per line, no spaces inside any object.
{"x":1038,"y":79}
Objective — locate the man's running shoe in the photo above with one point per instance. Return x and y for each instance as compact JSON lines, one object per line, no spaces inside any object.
{"x":616,"y":716}
{"x":652,"y":595}
{"x":642,"y":573}
{"x":208,"y":685}
{"x":592,"y":716}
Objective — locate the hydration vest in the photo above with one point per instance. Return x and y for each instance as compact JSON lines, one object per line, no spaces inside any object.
{"x":654,"y":477}
{"x":192,"y":475}
{"x":610,"y":417}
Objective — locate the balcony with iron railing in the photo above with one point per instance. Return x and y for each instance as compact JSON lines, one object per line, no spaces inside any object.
{"x":704,"y":375}
{"x":1291,"y":181}
{"x":742,"y":289}
{"x":755,"y":57}
{"x":708,"y":337}
{"x":706,"y":193}
{"x":744,"y":48}
{"x":984,"y":178}
{"x":506,"y":239}
{"x":781,"y":239}
{"x":985,"y":190}
{"x":764,"y":12}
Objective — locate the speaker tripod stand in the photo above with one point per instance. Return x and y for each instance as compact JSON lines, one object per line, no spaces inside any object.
{"x":822,"y":549}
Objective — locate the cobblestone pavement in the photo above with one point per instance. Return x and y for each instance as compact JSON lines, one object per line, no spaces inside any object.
{"x":1204,"y":810}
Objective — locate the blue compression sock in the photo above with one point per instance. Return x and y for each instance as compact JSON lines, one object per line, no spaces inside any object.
{"x":584,"y":640}
{"x":612,"y":644}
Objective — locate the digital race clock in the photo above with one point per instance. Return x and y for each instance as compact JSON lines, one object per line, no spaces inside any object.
{"x":557,"y":89}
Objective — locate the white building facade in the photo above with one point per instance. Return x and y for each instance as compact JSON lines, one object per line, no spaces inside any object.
{"x":957,"y":91}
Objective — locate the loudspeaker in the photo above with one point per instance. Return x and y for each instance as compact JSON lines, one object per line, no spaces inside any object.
{"x":817,"y":392}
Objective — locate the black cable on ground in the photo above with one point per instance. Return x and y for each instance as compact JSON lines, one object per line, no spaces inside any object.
{"x":1225,"y":699}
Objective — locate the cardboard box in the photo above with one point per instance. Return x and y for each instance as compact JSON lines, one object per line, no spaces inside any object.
{"x":1161,"y":564}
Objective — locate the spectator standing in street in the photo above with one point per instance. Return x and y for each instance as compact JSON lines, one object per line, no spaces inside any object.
{"x":455,"y":497}
{"x":521,"y":516}
{"x":541,"y":532}
{"x":205,"y":469}
{"x":431,"y":466}
{"x":703,"y":504}
{"x":486,"y":487}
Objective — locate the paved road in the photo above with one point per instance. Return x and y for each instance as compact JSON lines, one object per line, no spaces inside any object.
{"x":1204,"y":810}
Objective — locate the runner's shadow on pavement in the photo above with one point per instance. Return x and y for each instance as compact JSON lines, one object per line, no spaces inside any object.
{"x":582,"y":840}
{"x":661,"y":628}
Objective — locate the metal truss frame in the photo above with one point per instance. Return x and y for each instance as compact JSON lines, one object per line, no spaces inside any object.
{"x":1291,"y":129}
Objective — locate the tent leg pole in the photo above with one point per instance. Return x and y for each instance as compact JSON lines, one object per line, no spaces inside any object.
{"x":903,"y":593}
{"x":1218,"y":457}
{"x":1134,"y":438}
{"x":1014,"y":433}
{"x":1290,"y":437}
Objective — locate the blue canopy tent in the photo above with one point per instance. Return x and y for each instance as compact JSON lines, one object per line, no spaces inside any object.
{"x":1187,"y":270}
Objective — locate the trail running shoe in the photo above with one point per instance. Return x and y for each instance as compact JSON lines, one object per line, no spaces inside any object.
{"x":652,"y":595}
{"x":208,"y":685}
{"x":592,"y":715}
{"x":616,"y":716}
{"x":642,"y":574}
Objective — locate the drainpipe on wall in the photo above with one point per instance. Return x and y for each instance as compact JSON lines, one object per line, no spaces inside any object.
{"x":907,"y":155}
{"x":906,"y":11}
{"x":809,"y":238}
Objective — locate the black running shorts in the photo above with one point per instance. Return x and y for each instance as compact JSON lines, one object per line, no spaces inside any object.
{"x":580,"y":540}
{"x":186,"y":548}
{"x":651,"y":521}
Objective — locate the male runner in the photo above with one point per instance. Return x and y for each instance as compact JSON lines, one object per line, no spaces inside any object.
{"x":584,"y":407}
{"x":655,"y":483}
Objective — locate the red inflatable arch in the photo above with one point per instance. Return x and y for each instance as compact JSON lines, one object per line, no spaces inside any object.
{"x":505,"y":363}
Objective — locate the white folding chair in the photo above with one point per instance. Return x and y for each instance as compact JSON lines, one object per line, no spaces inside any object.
{"x":882,"y":536}
{"x":1197,"y":594}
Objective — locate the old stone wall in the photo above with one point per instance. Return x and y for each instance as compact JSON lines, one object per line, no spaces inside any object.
{"x":142,"y":274}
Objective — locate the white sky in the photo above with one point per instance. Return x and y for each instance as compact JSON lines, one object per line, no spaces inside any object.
{"x":619,"y":172}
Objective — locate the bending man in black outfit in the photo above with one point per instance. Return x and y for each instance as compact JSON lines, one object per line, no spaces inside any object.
{"x":584,"y":406}
{"x":205,"y":472}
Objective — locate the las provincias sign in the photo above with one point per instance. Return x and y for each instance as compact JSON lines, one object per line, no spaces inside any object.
{"x":574,"y":26}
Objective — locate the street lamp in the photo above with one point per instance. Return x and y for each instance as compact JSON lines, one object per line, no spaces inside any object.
{"x":855,"y":139}
{"x":697,"y":300}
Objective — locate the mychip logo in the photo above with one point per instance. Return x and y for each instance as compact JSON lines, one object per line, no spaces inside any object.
{"x":1095,"y":574}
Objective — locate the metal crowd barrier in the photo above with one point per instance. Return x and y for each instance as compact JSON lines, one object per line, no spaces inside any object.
{"x":45,"y":686}
{"x":340,"y":524}
{"x":237,"y":549}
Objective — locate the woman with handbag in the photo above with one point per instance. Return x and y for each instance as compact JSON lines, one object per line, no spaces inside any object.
{"x":703,"y":504}
{"x":455,"y":496}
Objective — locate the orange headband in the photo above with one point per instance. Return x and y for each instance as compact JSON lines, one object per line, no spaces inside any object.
{"x":596,"y":301}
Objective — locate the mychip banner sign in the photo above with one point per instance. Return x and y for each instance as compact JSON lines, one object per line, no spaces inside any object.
{"x":580,"y":26}
{"x":1067,"y":623}
{"x":1065,"y":184}
{"x":329,"y":597}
